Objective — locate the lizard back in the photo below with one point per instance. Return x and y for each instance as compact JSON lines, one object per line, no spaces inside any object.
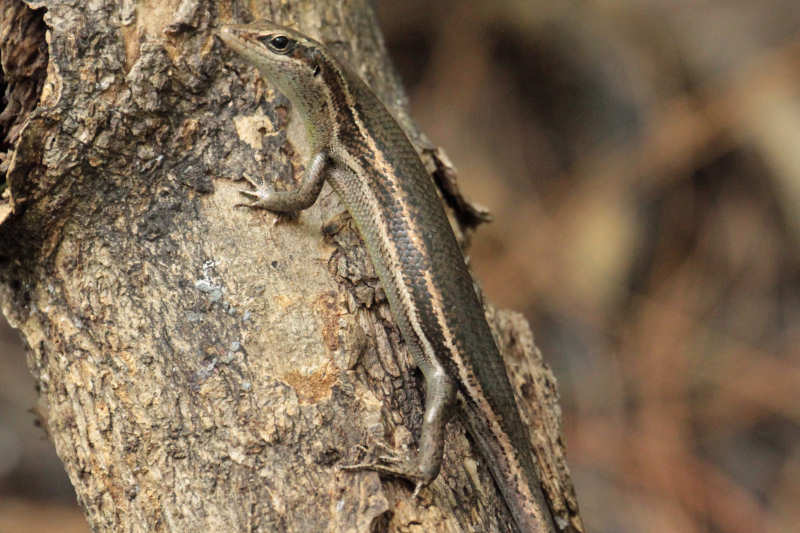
{"x":398,"y":211}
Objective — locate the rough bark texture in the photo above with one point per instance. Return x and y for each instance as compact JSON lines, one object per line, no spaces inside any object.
{"x":200,"y":368}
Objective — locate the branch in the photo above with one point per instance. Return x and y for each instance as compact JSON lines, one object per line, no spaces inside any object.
{"x":201,"y":367}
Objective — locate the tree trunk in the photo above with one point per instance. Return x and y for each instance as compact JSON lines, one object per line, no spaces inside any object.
{"x":201,"y":368}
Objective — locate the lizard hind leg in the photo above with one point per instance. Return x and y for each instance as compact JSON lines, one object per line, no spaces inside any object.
{"x":422,"y":468}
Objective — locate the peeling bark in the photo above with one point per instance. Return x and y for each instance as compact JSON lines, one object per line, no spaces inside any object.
{"x":200,"y":368}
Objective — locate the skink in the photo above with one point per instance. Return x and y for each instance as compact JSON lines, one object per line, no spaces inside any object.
{"x":363,"y":153}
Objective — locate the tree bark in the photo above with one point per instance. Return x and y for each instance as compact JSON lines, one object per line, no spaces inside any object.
{"x":201,"y":368}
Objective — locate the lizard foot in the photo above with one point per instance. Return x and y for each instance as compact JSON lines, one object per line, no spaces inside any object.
{"x":396,"y":466}
{"x":260,"y":196}
{"x":263,"y":198}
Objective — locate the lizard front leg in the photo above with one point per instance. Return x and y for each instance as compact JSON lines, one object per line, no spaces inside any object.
{"x":291,"y":201}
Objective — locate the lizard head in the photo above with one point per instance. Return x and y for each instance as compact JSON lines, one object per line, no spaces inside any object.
{"x":301,"y":68}
{"x":287,"y":58}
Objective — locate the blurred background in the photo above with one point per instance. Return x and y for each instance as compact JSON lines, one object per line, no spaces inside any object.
{"x":642,"y":161}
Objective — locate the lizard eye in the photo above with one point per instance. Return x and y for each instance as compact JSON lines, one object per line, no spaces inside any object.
{"x":278,"y":43}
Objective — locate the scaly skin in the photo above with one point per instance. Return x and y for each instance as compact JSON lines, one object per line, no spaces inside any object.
{"x":361,"y":150}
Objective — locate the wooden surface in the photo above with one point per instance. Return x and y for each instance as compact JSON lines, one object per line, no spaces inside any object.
{"x":200,"y":367}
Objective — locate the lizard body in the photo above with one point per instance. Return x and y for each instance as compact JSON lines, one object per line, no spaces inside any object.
{"x":361,"y":150}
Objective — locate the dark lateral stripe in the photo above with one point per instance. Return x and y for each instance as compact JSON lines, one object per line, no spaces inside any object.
{"x":401,"y":219}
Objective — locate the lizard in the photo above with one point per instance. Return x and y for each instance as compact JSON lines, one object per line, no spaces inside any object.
{"x":361,"y":150}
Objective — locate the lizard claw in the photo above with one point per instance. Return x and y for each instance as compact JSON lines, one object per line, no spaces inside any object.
{"x":262,"y":198}
{"x":392,"y":465}
{"x":252,"y":194}
{"x":251,"y":181}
